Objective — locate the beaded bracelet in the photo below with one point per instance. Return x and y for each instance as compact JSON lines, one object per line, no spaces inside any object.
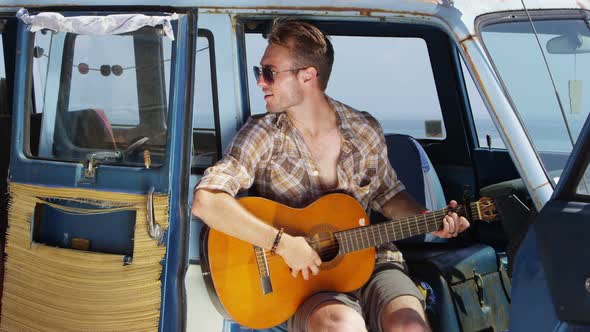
{"x":275,"y":244}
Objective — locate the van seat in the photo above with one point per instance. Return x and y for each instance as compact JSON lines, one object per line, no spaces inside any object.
{"x":415,"y":171}
{"x":84,"y":129}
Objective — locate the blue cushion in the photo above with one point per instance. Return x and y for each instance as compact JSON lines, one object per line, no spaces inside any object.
{"x":405,"y":159}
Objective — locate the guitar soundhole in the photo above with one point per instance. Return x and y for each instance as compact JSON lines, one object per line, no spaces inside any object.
{"x":326,"y":245}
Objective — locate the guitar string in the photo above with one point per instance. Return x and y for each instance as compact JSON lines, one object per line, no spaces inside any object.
{"x":365,"y":232}
{"x":403,"y":224}
{"x":330,"y":250}
{"x":362,"y":234}
{"x":336,"y":248}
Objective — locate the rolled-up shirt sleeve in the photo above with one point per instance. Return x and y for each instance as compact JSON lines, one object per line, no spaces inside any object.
{"x":389,"y":184}
{"x":235,"y":172}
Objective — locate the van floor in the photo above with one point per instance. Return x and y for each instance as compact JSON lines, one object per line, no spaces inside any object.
{"x":201,"y":314}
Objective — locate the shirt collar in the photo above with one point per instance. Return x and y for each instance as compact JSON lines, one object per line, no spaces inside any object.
{"x":343,"y":122}
{"x":344,"y":125}
{"x":281,"y":119}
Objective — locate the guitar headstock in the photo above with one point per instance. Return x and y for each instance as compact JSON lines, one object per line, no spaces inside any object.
{"x":485,"y":209}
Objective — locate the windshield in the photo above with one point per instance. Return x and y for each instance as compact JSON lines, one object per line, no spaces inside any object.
{"x":517,"y":57}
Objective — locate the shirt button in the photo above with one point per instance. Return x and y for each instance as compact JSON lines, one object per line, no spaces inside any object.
{"x":315,"y":173}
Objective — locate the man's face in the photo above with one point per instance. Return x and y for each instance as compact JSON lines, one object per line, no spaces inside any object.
{"x":285,"y":91}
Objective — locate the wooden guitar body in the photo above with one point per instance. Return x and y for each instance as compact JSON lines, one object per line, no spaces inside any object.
{"x":234,"y":266}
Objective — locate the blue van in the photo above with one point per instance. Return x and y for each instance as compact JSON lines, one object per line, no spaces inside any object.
{"x":112,"y":111}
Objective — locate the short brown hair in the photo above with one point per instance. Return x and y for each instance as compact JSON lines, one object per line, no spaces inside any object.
{"x":309,"y":46}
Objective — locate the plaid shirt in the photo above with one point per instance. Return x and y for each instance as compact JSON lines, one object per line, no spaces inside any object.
{"x":269,"y":153}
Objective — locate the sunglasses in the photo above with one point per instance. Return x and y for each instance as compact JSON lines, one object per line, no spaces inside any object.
{"x":268,"y":75}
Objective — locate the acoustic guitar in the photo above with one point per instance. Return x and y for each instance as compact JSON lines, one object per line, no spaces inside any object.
{"x":256,"y":289}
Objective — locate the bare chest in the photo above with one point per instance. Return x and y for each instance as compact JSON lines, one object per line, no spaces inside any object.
{"x":325,"y":151}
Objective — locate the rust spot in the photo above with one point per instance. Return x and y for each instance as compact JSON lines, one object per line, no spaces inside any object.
{"x":365,"y":12}
{"x":33,"y":5}
{"x":234,"y":24}
{"x":470,"y":37}
{"x":541,"y":185}
{"x":361,"y":10}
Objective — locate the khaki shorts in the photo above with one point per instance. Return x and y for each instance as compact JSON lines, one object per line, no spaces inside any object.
{"x":388,"y":282}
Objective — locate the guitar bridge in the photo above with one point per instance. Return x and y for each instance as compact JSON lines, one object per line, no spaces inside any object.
{"x":263,"y":271}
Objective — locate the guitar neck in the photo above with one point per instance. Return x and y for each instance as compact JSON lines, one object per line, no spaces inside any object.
{"x":370,"y":236}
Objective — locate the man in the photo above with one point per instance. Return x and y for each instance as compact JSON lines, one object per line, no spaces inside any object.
{"x":308,"y":145}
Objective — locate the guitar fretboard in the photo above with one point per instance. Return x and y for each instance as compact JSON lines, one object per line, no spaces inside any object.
{"x":369,"y":236}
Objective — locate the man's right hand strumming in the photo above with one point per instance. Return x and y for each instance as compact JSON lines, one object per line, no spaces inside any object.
{"x":299,"y":256}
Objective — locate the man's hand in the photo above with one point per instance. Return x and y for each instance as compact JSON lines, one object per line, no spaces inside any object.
{"x":452,"y":224}
{"x":299,"y":256}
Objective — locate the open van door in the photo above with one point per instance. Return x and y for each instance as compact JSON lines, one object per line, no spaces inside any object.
{"x":8,"y":24}
{"x":551,"y":280}
{"x":98,"y":210}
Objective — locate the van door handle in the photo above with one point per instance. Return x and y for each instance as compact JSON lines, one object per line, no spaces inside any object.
{"x":154,"y":229}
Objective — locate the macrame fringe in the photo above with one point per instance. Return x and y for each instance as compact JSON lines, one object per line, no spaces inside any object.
{"x":56,"y":289}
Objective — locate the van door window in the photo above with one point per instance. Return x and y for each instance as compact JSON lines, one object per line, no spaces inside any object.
{"x":101,"y":95}
{"x":393,"y":81}
{"x":205,"y":137}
